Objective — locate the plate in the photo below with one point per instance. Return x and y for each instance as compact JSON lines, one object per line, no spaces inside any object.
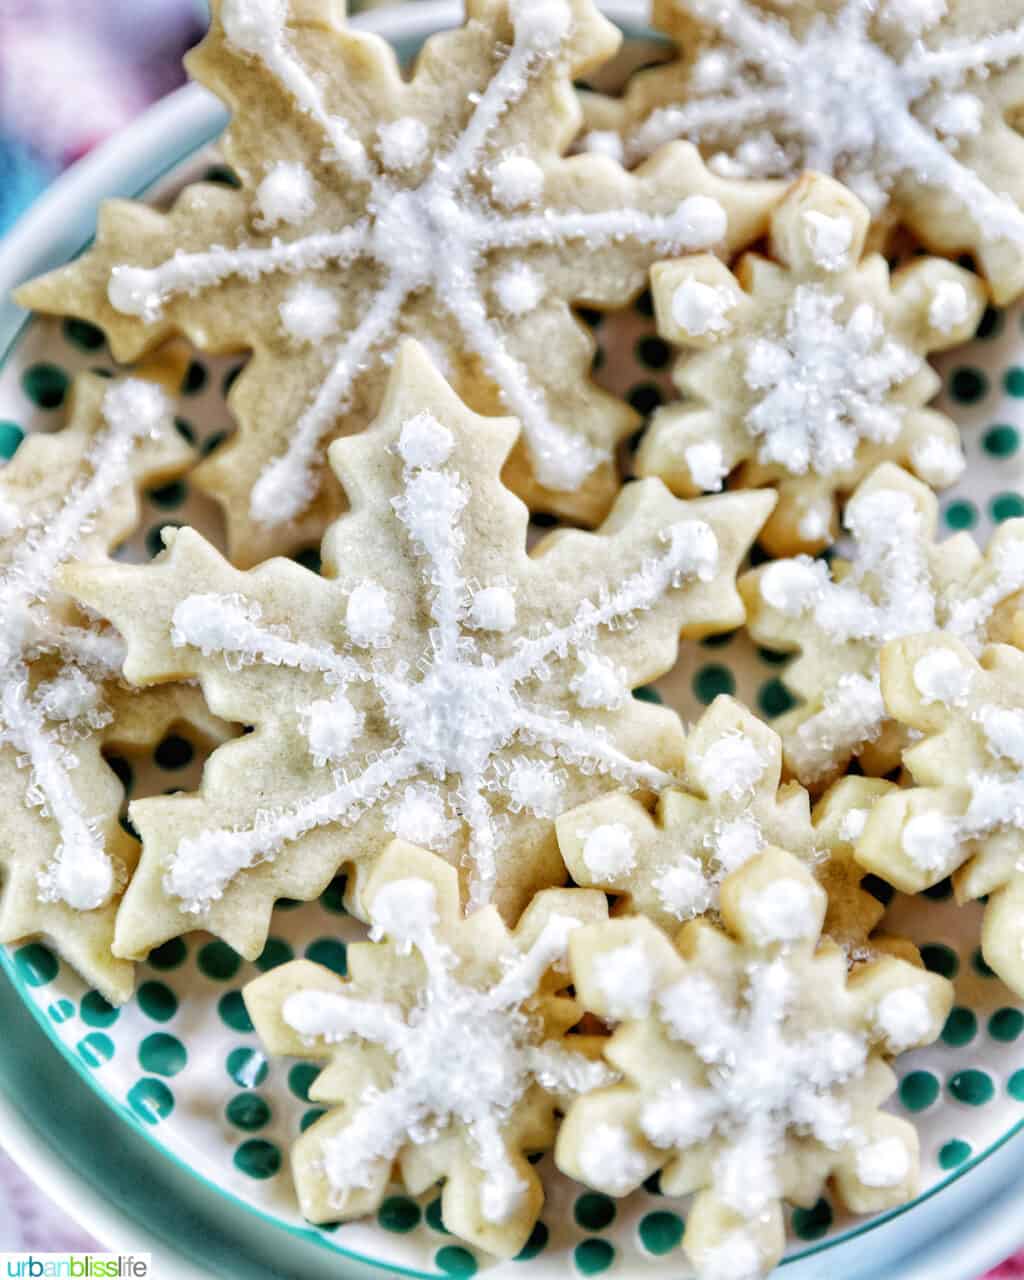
{"x":180,"y":1064}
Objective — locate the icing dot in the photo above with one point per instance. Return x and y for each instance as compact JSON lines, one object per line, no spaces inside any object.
{"x":163,"y":1055}
{"x":949,"y":307}
{"x":258,"y":1158}
{"x":535,"y":786}
{"x":830,"y":239}
{"x":332,"y":726}
{"x":885,"y":1163}
{"x":852,"y":826}
{"x":605,"y":142}
{"x":425,"y":442}
{"x":309,"y":313}
{"x":683,"y":888}
{"x":609,"y":1158}
{"x":940,"y":676}
{"x":700,"y":309}
{"x":402,"y":144}
{"x":660,"y":1232}
{"x":1004,"y":732}
{"x":791,"y":585}
{"x":625,"y":978}
{"x":253,"y":26}
{"x":904,"y":1017}
{"x":732,"y":765}
{"x":599,"y":682}
{"x":542,"y":24}
{"x":369,"y":616}
{"x":952,"y":1154}
{"x":594,"y":1211}
{"x":151,"y":1100}
{"x":930,"y":841}
{"x":286,"y":194}
{"x":938,"y":462}
{"x":706,"y":464}
{"x":609,"y":851}
{"x":519,"y":289}
{"x":783,"y":911}
{"x":516,"y":180}
{"x":493,"y":609}
{"x":421,"y":817}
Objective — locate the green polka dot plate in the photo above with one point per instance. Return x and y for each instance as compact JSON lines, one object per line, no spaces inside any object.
{"x":181,"y":1065}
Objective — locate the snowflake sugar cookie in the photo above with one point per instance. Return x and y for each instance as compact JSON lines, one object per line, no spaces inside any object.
{"x":372,"y":207}
{"x":438,"y":683}
{"x":446,"y":1051}
{"x":754,"y":1066}
{"x":911,"y":103}
{"x":898,"y":581}
{"x":670,"y":865}
{"x":64,"y":854}
{"x":808,"y":370}
{"x":965,"y":813}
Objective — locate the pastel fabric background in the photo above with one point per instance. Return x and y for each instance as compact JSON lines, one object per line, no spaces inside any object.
{"x":72,"y":72}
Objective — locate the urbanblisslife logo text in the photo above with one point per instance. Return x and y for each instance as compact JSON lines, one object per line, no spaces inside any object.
{"x":76,"y":1266}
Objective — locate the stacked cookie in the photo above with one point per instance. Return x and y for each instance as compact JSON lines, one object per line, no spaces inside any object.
{"x":590,"y":929}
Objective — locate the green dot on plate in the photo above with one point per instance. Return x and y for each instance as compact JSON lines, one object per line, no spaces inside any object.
{"x":940,"y":959}
{"x":535,"y":1245}
{"x":329,"y":952}
{"x":229,"y":380}
{"x":162,"y":1054}
{"x":194,"y":380}
{"x":648,"y":693}
{"x":1015,"y":1086}
{"x":309,"y":558}
{"x":399,"y":1214}
{"x":811,"y":1224}
{"x":151,"y":1100}
{"x":300,"y":1077}
{"x":169,"y":955}
{"x":222,"y":175}
{"x":310,"y":1117}
{"x":1006,"y":1025}
{"x":1001,"y":441}
{"x":991,"y":323}
{"x":712,"y":680}
{"x":432,"y":1216}
{"x":652,"y":352}
{"x":185,"y":430}
{"x":169,"y":495}
{"x":961,"y":514}
{"x":96,"y":1048}
{"x":774,"y":699}
{"x":721,"y":641}
{"x":157,"y":1001}
{"x":593,"y":1256}
{"x":258,"y":1158}
{"x":247,"y":1067}
{"x":456,"y":1261}
{"x":1014,"y":381}
{"x":972,"y":1087}
{"x":953,"y":1153}
{"x":218,"y":961}
{"x":46,"y":385}
{"x":233,"y":1013}
{"x":940,"y":892}
{"x":174,"y":752}
{"x":35,"y":964}
{"x":773,"y":657}
{"x":333,"y":897}
{"x":918,"y":1090}
{"x":82,"y":334}
{"x":981,"y":966}
{"x":660,"y":1231}
{"x":968,"y":385}
{"x":1006,"y":506}
{"x":961,"y":1027}
{"x":61,"y":1010}
{"x":212,"y":443}
{"x":645,"y":397}
{"x":247,"y":1111}
{"x":276,"y":952}
{"x":594,"y":1211}
{"x":652,"y":1185}
{"x":11,"y":435}
{"x":98,"y":1012}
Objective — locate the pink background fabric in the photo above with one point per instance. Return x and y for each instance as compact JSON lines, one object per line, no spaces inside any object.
{"x":119,"y":56}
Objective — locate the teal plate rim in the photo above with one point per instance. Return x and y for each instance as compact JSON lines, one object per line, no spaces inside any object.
{"x":131,"y":164}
